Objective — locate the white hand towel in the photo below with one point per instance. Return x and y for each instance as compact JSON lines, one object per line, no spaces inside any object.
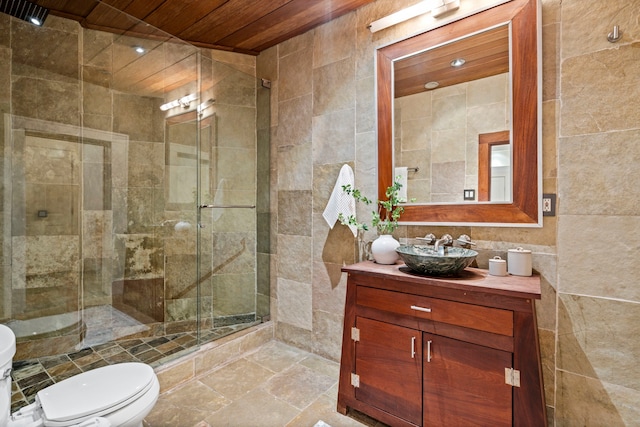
{"x":341,"y":202}
{"x":401,"y":174}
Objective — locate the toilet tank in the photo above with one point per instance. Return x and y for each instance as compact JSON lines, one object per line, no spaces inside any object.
{"x":7,"y":351}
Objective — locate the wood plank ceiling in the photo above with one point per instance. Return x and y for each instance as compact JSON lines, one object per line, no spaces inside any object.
{"x":246,"y":26}
{"x":250,"y":26}
{"x":486,"y":54}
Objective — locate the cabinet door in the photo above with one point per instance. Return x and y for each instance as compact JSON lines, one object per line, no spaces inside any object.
{"x":389,"y":365}
{"x":464,"y":384}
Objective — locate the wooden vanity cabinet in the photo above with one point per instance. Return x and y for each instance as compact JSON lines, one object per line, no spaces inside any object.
{"x":390,"y":376}
{"x":419,"y":351}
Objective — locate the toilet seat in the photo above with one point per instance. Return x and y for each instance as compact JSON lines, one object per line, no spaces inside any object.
{"x":94,"y":393}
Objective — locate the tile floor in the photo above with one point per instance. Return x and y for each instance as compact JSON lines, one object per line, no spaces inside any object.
{"x":274,"y":386}
{"x":32,"y":375}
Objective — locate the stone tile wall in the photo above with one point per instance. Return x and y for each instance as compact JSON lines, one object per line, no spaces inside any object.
{"x":598,"y":376}
{"x":323,"y":115}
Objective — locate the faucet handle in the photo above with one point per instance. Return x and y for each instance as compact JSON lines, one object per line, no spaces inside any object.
{"x":429,"y":238}
{"x":465,"y":241}
{"x":447,"y":240}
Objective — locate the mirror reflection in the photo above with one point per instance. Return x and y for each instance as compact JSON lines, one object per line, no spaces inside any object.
{"x":452,"y":120}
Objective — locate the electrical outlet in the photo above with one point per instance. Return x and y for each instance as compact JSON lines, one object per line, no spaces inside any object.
{"x":548,"y":205}
{"x":469,"y":194}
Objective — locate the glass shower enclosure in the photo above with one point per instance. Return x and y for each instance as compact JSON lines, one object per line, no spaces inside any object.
{"x":133,"y":191}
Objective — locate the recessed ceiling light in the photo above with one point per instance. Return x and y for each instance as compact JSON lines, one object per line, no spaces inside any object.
{"x":35,"y":21}
{"x":431,"y":85}
{"x":458,"y":62}
{"x":139,"y":49}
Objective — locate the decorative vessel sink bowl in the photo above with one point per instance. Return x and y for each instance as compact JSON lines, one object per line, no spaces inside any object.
{"x":424,"y":259}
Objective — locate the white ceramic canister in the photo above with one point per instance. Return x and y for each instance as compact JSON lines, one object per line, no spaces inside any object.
{"x":519,"y":262}
{"x":497,"y":266}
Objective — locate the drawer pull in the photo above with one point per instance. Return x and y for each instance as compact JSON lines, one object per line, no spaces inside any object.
{"x":413,"y":347}
{"x":429,"y":351}
{"x":418,"y":308}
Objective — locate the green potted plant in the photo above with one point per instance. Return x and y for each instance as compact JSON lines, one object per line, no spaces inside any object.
{"x":384,"y":219}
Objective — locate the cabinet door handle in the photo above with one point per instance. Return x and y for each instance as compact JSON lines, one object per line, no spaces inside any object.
{"x":429,"y":351}
{"x":413,"y":347}
{"x":418,"y":308}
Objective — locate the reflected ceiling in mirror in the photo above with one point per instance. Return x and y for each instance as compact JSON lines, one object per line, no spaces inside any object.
{"x":444,"y":99}
{"x":485,"y":54}
{"x":521,"y":17}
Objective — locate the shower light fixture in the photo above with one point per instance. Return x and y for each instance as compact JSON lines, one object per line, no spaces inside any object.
{"x":206,"y":104}
{"x":183,"y":102}
{"x":25,"y":10}
{"x":436,"y":7}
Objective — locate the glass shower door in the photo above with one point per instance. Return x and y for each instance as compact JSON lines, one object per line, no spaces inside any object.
{"x":228,"y":218}
{"x":45,"y":238}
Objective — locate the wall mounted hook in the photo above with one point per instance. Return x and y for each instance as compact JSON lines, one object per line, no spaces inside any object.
{"x":615,"y":35}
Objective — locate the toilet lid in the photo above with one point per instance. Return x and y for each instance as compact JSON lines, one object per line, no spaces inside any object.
{"x":96,"y":392}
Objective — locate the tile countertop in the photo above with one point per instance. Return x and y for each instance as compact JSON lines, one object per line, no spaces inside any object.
{"x":471,"y":280}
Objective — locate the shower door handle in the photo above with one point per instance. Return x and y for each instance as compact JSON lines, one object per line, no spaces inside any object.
{"x":226,"y":206}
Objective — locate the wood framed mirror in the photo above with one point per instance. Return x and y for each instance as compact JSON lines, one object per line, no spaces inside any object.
{"x":523,"y":209}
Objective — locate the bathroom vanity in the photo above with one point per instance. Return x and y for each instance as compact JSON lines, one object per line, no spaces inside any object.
{"x":424,"y":351}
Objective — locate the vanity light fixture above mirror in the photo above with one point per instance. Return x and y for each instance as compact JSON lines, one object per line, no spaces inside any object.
{"x":436,"y":7}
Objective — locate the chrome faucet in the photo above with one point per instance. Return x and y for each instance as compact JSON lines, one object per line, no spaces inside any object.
{"x":439,"y":245}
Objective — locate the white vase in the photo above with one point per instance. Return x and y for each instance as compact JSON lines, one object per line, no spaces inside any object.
{"x":383,"y":249}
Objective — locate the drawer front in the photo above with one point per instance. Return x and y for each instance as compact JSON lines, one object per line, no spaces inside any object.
{"x":471,"y":316}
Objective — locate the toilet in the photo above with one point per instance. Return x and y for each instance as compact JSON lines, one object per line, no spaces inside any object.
{"x":118,"y":395}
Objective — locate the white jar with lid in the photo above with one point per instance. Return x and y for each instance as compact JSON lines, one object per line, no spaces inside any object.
{"x":497,"y":266}
{"x":519,"y":262}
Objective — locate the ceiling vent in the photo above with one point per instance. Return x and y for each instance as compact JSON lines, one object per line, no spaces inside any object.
{"x":25,"y":10}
